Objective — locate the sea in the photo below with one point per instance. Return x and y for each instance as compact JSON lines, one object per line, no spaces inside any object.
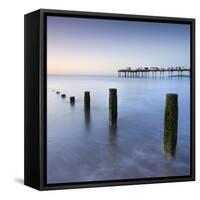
{"x":83,"y":147}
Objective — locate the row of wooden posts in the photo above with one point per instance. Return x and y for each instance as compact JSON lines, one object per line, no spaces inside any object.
{"x":170,"y":116}
{"x":170,"y":119}
{"x":72,"y":99}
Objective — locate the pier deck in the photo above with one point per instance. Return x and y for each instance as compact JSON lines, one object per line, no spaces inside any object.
{"x":151,"y":71}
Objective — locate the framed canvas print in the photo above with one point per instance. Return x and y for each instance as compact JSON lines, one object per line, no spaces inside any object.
{"x":109,"y":99}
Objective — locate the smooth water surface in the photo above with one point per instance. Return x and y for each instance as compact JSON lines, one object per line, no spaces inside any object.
{"x":82,"y":146}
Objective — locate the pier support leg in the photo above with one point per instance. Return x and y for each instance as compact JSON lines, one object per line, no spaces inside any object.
{"x":112,"y":106}
{"x":170,"y":124}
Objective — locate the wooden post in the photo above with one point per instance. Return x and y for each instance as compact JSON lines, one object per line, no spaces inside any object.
{"x":63,"y":95}
{"x":87,"y":108}
{"x":87,"y":101}
{"x":112,"y":106}
{"x":170,"y":124}
{"x":72,"y":100}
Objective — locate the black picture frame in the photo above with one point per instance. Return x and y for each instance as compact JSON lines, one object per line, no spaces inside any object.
{"x":35,"y":87}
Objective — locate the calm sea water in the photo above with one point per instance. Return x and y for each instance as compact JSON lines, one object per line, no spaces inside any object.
{"x":82,"y":147}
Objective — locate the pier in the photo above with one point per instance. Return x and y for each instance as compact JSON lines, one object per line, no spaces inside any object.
{"x":152,"y":71}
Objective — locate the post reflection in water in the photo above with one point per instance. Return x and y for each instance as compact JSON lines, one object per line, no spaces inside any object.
{"x":72,"y":105}
{"x":87,"y":119}
{"x":170,"y":142}
{"x":113,"y":134}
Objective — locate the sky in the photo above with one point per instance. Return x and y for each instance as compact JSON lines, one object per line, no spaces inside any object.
{"x":101,"y":47}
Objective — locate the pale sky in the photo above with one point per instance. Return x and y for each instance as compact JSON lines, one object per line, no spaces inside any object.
{"x":98,"y":46}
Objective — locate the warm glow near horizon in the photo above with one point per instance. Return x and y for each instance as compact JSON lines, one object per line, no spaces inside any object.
{"x":97,"y":46}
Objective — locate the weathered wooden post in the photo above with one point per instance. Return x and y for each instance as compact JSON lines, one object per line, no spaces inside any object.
{"x":87,"y":101}
{"x":112,"y":106}
{"x":170,"y":124}
{"x":63,"y":95}
{"x":72,"y":100}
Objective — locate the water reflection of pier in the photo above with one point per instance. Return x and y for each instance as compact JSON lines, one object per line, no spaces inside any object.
{"x":152,"y":71}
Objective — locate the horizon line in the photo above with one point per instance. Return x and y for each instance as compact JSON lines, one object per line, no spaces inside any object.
{"x":71,"y":74}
